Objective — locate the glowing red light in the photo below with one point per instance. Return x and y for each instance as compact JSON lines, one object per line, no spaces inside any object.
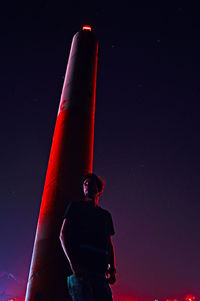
{"x":190,"y":298}
{"x":86,"y":27}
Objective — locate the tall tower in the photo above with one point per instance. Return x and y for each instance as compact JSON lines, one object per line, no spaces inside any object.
{"x":71,"y":157}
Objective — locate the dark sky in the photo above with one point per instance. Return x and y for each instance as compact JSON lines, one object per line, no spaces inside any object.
{"x":147,"y":129}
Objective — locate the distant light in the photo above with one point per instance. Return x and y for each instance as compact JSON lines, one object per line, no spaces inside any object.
{"x":86,"y":27}
{"x":190,"y":298}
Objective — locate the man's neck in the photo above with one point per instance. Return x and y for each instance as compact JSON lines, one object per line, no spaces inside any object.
{"x":93,"y":201}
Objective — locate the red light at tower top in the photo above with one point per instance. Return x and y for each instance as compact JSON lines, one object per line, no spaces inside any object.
{"x":86,"y":27}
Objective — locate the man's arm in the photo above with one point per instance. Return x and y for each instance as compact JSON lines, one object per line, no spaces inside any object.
{"x":67,"y":245}
{"x":111,"y":272}
{"x":65,"y":242}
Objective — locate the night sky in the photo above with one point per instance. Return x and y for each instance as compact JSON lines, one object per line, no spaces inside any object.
{"x":147,"y":128}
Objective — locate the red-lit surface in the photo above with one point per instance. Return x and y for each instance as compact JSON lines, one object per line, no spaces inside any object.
{"x":15,"y":299}
{"x":128,"y":298}
{"x":86,"y":27}
{"x":71,"y":156}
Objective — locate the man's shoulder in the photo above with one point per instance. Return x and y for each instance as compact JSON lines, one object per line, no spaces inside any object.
{"x":108,"y":219}
{"x":71,"y":207}
{"x":77,"y":205}
{"x":104,"y":211}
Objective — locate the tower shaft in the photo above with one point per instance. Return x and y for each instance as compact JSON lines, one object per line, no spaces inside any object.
{"x":71,"y":157}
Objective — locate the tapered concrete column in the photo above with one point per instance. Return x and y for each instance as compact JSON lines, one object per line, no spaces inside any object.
{"x":71,"y":157}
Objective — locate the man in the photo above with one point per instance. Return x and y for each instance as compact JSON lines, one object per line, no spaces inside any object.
{"x":86,"y":240}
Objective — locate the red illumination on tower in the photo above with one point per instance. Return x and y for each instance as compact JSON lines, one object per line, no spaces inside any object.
{"x":86,"y":27}
{"x":71,"y":157}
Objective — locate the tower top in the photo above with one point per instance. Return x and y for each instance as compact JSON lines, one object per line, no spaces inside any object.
{"x":87,"y":27}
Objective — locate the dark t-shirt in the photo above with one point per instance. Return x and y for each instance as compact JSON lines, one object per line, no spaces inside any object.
{"x":90,"y":231}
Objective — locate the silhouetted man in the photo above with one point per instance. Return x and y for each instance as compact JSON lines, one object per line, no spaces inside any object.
{"x":86,"y":240}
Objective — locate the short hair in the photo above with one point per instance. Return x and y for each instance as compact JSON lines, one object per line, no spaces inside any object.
{"x":99,"y":181}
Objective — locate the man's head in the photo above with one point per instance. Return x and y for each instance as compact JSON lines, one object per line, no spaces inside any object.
{"x":92,"y":186}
